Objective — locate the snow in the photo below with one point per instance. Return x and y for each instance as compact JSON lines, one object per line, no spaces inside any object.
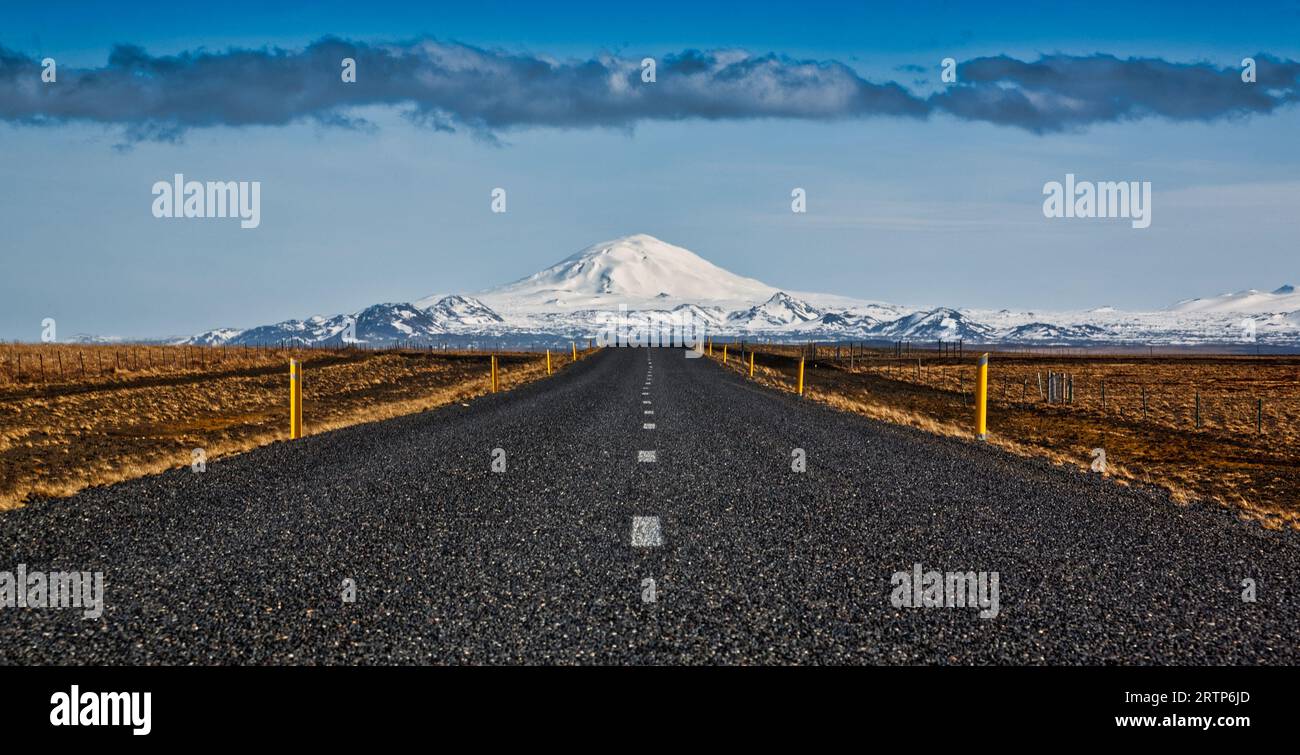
{"x":1282,"y":299}
{"x":781,"y":309}
{"x":463,"y":311}
{"x":639,"y":271}
{"x":660,"y":284}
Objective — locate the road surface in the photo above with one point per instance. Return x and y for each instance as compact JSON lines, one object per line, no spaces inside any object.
{"x":549,"y":561}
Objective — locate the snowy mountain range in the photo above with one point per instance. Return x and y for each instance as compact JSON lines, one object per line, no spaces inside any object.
{"x":660,"y":284}
{"x":1282,"y":299}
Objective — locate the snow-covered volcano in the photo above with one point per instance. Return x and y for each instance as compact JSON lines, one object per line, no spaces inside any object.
{"x":639,"y":271}
{"x":661,"y":284}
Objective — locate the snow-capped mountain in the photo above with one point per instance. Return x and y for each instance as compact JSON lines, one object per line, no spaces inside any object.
{"x":940,"y":324}
{"x":313,"y":330}
{"x":1284,"y":299}
{"x":1043,"y":332}
{"x":454,"y":312}
{"x":639,"y":271}
{"x":387,"y":323}
{"x":849,"y":324}
{"x":643,"y":282}
{"x":714,"y":316}
{"x":92,"y":339}
{"x":778,"y":311}
{"x":380,"y":324}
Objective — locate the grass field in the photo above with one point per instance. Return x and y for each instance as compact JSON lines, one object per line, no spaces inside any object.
{"x":1242,"y":453}
{"x":141,"y":410}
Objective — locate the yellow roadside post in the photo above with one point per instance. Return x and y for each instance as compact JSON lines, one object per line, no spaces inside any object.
{"x":724,"y":353}
{"x":801,"y":376}
{"x":751,"y":364}
{"x":574,"y":344}
{"x":295,"y":399}
{"x":710,"y":347}
{"x":494,"y":373}
{"x":548,"y":361}
{"x":982,"y":399}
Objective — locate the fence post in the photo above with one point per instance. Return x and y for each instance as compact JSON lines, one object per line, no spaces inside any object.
{"x":295,"y":399}
{"x":1259,"y":416}
{"x":982,"y":398}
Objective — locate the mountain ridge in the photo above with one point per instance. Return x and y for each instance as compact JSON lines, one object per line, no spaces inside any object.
{"x":661,"y":284}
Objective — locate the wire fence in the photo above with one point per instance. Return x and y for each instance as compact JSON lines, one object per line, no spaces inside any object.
{"x":1223,"y":426}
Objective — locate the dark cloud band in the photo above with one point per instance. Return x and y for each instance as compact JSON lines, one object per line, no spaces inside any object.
{"x":451,"y":86}
{"x":1060,"y":92}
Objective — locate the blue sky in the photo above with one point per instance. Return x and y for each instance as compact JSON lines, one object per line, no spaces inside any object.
{"x":944,"y":209}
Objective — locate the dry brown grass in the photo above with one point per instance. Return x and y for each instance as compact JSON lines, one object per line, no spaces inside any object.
{"x":74,"y":366}
{"x":61,"y":436}
{"x":1225,"y":459}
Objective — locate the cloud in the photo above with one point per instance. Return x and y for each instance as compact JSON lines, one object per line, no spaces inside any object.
{"x":1061,"y":92}
{"x":451,"y":86}
{"x":445,"y":85}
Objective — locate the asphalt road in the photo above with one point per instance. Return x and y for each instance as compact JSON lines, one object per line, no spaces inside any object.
{"x":546,"y":562}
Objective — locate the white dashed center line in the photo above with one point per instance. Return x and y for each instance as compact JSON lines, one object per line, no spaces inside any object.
{"x":645,"y":456}
{"x":648,"y":426}
{"x":649,"y":411}
{"x":646,"y":532}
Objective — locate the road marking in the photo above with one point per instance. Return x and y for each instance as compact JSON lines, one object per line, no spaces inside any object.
{"x":648,"y":426}
{"x":645,"y":401}
{"x":645,"y":393}
{"x":646,"y":532}
{"x":645,"y":456}
{"x":649,"y":411}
